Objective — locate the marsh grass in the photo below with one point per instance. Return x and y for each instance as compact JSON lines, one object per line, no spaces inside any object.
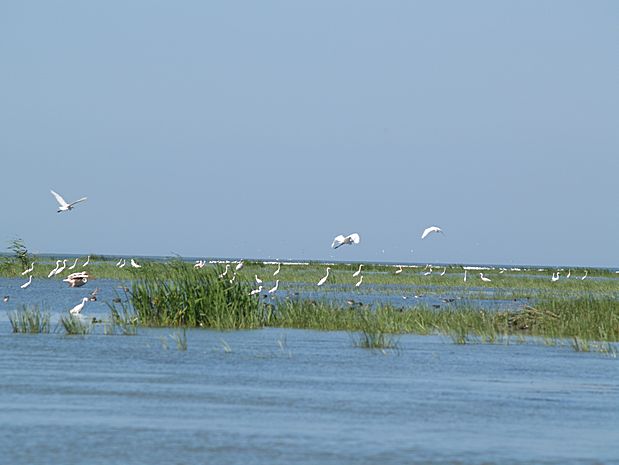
{"x":374,"y":334}
{"x":180,"y":338}
{"x":74,"y":325}
{"x":29,"y":320}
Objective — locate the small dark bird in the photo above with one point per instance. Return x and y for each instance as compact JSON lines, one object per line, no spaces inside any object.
{"x":5,"y":298}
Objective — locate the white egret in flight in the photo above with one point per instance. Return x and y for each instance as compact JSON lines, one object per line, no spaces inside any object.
{"x":341,"y":240}
{"x":63,"y":205}
{"x":483,"y":278}
{"x":324,"y":278}
{"x":29,"y":270}
{"x":356,"y":273}
{"x":431,"y":229}
{"x":274,"y":288}
{"x":78,"y":308}
{"x":27,"y":283}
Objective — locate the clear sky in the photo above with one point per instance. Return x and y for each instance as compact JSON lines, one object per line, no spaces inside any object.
{"x":264,"y":129}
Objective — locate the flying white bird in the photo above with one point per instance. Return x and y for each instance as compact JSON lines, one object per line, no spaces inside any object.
{"x":74,"y":263}
{"x":61,"y":269}
{"x":134,"y":264}
{"x":86,"y":262}
{"x":53,"y":272}
{"x":27,"y":283}
{"x":399,"y":270}
{"x":274,"y":288}
{"x":239,"y":265}
{"x":360,"y":281}
{"x":584,"y":277}
{"x":341,"y":240}
{"x":78,"y":308}
{"x":324,"y":278}
{"x":63,"y":205}
{"x":356,"y":273}
{"x":29,"y":270}
{"x":279,"y":266}
{"x":431,"y":229}
{"x":483,"y":278}
{"x":256,"y":291}
{"x":258,"y":280}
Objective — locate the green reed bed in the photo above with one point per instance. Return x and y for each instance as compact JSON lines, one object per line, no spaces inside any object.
{"x":74,"y":325}
{"x":29,"y":319}
{"x":174,"y":295}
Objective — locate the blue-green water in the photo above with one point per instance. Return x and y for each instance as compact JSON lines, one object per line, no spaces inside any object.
{"x":281,"y":396}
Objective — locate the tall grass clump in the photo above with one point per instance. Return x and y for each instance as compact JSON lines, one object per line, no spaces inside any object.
{"x":374,"y":334}
{"x":174,"y":294}
{"x":29,"y":320}
{"x":123,"y":320}
{"x":74,"y":325}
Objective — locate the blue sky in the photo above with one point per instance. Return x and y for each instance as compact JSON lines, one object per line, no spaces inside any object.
{"x":264,"y":129}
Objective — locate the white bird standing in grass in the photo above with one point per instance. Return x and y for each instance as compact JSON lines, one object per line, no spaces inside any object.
{"x":78,"y":308}
{"x":53,"y":272}
{"x":239,"y":265}
{"x":431,"y":229}
{"x":358,"y":272}
{"x":256,"y":291}
{"x":258,"y":280}
{"x":585,"y":276}
{"x":225,"y":271}
{"x":428,"y":273}
{"x":61,"y":269}
{"x":27,"y":283}
{"x":324,"y":278}
{"x":74,"y":264}
{"x":555,"y":277}
{"x":341,"y":240}
{"x":279,"y":267}
{"x":569,"y":273}
{"x":399,"y":270}
{"x":483,"y":278}
{"x":134,"y":264}
{"x":119,"y":262}
{"x":444,"y":270}
{"x":464,"y":275}
{"x":360,"y":281}
{"x":273,"y":290}
{"x":29,"y":270}
{"x":63,"y":206}
{"x":86,"y":262}
{"x":122,"y":265}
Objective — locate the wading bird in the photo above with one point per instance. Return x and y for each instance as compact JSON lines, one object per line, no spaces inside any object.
{"x":341,"y":240}
{"x":555,"y":277}
{"x":464,"y":275}
{"x":53,"y":272}
{"x":93,"y":295}
{"x":120,"y":260}
{"x":399,"y":270}
{"x":483,"y":278}
{"x":258,"y":280}
{"x":200,"y":264}
{"x":77,"y":279}
{"x":324,"y":278}
{"x":428,"y":273}
{"x":27,"y":283}
{"x":63,"y":205}
{"x":225,"y":271}
{"x":86,"y":262}
{"x":279,"y":266}
{"x":74,"y":264}
{"x":358,"y":272}
{"x":273,"y":290}
{"x":134,"y":264}
{"x":29,"y":270}
{"x":444,"y":270}
{"x":78,"y":308}
{"x":360,"y":281}
{"x":585,"y":276}
{"x":569,"y":273}
{"x":239,"y":265}
{"x":122,"y":265}
{"x":61,"y":269}
{"x":431,"y":229}
{"x":256,"y":291}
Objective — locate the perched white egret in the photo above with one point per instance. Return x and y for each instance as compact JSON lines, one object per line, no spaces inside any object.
{"x":225,"y":271}
{"x":29,"y":270}
{"x":324,"y":278}
{"x":134,"y":264}
{"x":63,"y":206}
{"x":464,"y":275}
{"x":444,"y":270}
{"x":555,"y":277}
{"x":53,"y":272}
{"x":74,"y":264}
{"x":585,"y":276}
{"x":78,"y":308}
{"x":258,"y":280}
{"x":399,"y":270}
{"x":431,"y":229}
{"x":483,"y":278}
{"x":279,"y":267}
{"x":358,"y":272}
{"x":239,"y":265}
{"x":77,"y":279}
{"x":27,"y":283}
{"x":360,"y":281}
{"x":61,"y":269}
{"x":273,"y":290}
{"x":86,"y":262}
{"x":256,"y":291}
{"x":341,"y":240}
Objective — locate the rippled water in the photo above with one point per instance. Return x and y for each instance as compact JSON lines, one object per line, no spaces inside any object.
{"x":278,"y":396}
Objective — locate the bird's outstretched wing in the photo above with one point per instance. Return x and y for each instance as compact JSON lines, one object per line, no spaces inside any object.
{"x":338,"y":241}
{"x":59,"y":199}
{"x":77,"y":201}
{"x":354,"y":237}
